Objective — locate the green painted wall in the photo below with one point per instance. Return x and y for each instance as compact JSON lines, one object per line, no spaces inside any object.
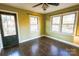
{"x":23,"y":21}
{"x":60,"y":35}
{"x":44,"y":23}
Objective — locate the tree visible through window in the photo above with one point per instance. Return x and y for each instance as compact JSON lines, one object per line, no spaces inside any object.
{"x":56,"y":23}
{"x":33,"y":24}
{"x":8,"y":23}
{"x":64,"y":24}
{"x":68,"y":23}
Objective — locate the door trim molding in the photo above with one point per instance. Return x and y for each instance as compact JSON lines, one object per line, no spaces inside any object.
{"x":18,"y":27}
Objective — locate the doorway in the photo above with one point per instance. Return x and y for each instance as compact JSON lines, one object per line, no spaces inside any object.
{"x":9,"y":31}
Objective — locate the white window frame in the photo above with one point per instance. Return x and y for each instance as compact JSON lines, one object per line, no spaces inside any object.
{"x":34,"y":24}
{"x":55,"y":24}
{"x":69,"y":24}
{"x":61,"y":15}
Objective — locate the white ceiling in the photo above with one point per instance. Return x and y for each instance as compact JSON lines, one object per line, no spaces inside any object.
{"x":28,"y":6}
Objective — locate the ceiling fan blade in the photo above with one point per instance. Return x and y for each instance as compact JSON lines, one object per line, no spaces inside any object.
{"x":55,"y":4}
{"x":37,"y":4}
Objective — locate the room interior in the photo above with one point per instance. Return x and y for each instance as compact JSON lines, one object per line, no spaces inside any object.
{"x":44,"y":30}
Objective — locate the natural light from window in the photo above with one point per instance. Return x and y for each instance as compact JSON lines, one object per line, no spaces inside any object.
{"x":56,"y":23}
{"x":64,"y":23}
{"x":8,"y":23}
{"x":33,"y":24}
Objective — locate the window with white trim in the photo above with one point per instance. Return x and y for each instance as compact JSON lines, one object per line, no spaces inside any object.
{"x":56,"y":23}
{"x":68,"y":23}
{"x":64,"y":23}
{"x":33,"y":24}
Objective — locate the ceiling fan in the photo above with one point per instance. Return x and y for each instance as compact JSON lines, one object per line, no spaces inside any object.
{"x":46,"y":5}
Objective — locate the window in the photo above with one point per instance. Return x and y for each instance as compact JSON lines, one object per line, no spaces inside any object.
{"x":68,"y":23}
{"x":64,"y":23}
{"x":56,"y":23}
{"x":8,"y":23}
{"x":33,"y":24}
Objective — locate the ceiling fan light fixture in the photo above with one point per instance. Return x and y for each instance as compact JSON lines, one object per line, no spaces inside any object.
{"x":44,"y":6}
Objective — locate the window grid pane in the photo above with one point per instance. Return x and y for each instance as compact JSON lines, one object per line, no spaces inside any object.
{"x":65,"y":24}
{"x":8,"y":23}
{"x":56,"y":28}
{"x":69,"y":19}
{"x":33,"y":24}
{"x":56,"y":23}
{"x":67,"y":28}
{"x":34,"y":28}
{"x":68,"y":23}
{"x":33,"y":20}
{"x":56,"y":20}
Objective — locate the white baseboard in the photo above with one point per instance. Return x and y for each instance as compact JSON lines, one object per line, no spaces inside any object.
{"x":31,"y":39}
{"x":73,"y":44}
{"x":60,"y":40}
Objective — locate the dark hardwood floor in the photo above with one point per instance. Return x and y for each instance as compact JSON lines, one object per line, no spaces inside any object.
{"x":41,"y":47}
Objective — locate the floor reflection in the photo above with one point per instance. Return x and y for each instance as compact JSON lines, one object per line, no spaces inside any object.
{"x":56,"y":51}
{"x":34,"y":49}
{"x":15,"y":53}
{"x":41,"y":47}
{"x":63,"y":52}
